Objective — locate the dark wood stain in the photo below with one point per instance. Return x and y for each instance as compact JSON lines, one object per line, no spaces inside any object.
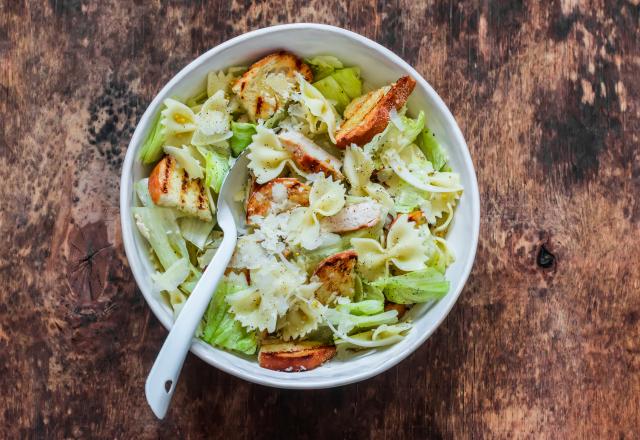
{"x":547,"y":95}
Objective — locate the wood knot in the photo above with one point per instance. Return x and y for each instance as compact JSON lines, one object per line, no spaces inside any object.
{"x":90,"y":255}
{"x":545,"y":258}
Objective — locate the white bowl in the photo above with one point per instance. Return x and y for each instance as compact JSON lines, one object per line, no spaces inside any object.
{"x":379,"y":66}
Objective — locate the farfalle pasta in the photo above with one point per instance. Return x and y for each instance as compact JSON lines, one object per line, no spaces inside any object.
{"x":358,"y":168}
{"x":260,"y":305}
{"x":326,"y":198}
{"x":318,"y":109}
{"x":305,"y":313}
{"x":178,"y":122}
{"x":213,"y":121}
{"x":267,"y":157}
{"x":348,"y":205}
{"x":406,"y":247}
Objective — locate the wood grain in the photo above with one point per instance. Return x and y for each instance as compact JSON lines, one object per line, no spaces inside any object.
{"x":548,"y":97}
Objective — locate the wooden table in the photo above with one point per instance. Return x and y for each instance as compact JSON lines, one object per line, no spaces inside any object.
{"x":540,"y":345}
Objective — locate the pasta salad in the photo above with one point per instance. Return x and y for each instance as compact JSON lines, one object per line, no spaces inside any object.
{"x":347,"y":208}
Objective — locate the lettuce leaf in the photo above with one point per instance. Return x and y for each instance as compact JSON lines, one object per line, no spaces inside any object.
{"x":216,"y":169}
{"x":152,"y":149}
{"x":195,"y":230}
{"x":408,"y":199}
{"x":197,"y":99}
{"x":372,"y":293}
{"x":242,"y":133}
{"x":142,"y":190}
{"x":349,"y":79}
{"x":407,"y":129}
{"x":432,"y":150}
{"x":365,"y":307}
{"x":379,"y":337}
{"x":323,"y":65}
{"x":346,"y":322}
{"x":189,"y":284}
{"x":160,"y":227}
{"x":331,"y":90}
{"x":172,"y":277}
{"x":399,"y":133}
{"x":277,"y":117}
{"x":414,"y":287}
{"x":221,"y":329}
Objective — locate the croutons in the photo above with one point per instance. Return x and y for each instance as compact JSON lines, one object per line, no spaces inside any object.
{"x":261,"y":198}
{"x":337,"y":275}
{"x":369,"y":115}
{"x":266,"y":86}
{"x":309,"y":157}
{"x":294,"y":357}
{"x":170,"y":186}
{"x":353,"y":217}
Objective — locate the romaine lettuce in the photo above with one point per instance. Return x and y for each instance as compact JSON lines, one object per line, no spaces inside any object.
{"x":414,"y":287}
{"x":152,"y":149}
{"x":142,"y":190}
{"x":323,"y":65}
{"x":277,"y":117}
{"x":379,"y":337}
{"x":366,"y":307}
{"x":346,"y":322}
{"x":399,"y":133}
{"x":216,"y":169}
{"x":242,"y":133}
{"x":349,"y":80}
{"x":433,"y":150}
{"x":160,"y":228}
{"x":331,"y":90}
{"x":195,"y":230}
{"x":372,"y":293}
{"x":197,"y":99}
{"x":221,"y":329}
{"x":172,"y":277}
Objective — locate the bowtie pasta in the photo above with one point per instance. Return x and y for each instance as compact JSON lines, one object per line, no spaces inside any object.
{"x":348,"y":207}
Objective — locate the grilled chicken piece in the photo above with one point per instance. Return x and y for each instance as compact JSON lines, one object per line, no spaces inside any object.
{"x":262,"y":97}
{"x":294,"y":357}
{"x":353,"y":217}
{"x":337,"y":275}
{"x":261,"y":197}
{"x":310,"y":157}
{"x":369,"y":115}
{"x":170,"y":186}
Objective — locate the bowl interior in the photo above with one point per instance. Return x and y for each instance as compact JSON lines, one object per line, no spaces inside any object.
{"x":379,"y":66}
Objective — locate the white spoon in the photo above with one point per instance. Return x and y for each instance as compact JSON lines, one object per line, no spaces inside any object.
{"x":163,"y":376}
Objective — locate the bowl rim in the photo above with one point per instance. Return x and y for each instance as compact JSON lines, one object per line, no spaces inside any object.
{"x":200,"y":349}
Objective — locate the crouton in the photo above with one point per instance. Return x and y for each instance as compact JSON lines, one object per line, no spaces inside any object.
{"x":171,"y":187}
{"x":353,"y":217}
{"x":294,"y":357}
{"x":261,"y":198}
{"x":266,"y":86}
{"x":369,"y":115}
{"x":337,"y":275}
{"x":309,"y":157}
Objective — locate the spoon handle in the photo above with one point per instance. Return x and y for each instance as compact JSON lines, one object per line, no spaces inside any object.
{"x":164,"y":374}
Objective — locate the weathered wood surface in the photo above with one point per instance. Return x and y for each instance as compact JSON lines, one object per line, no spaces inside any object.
{"x":548,"y":97}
